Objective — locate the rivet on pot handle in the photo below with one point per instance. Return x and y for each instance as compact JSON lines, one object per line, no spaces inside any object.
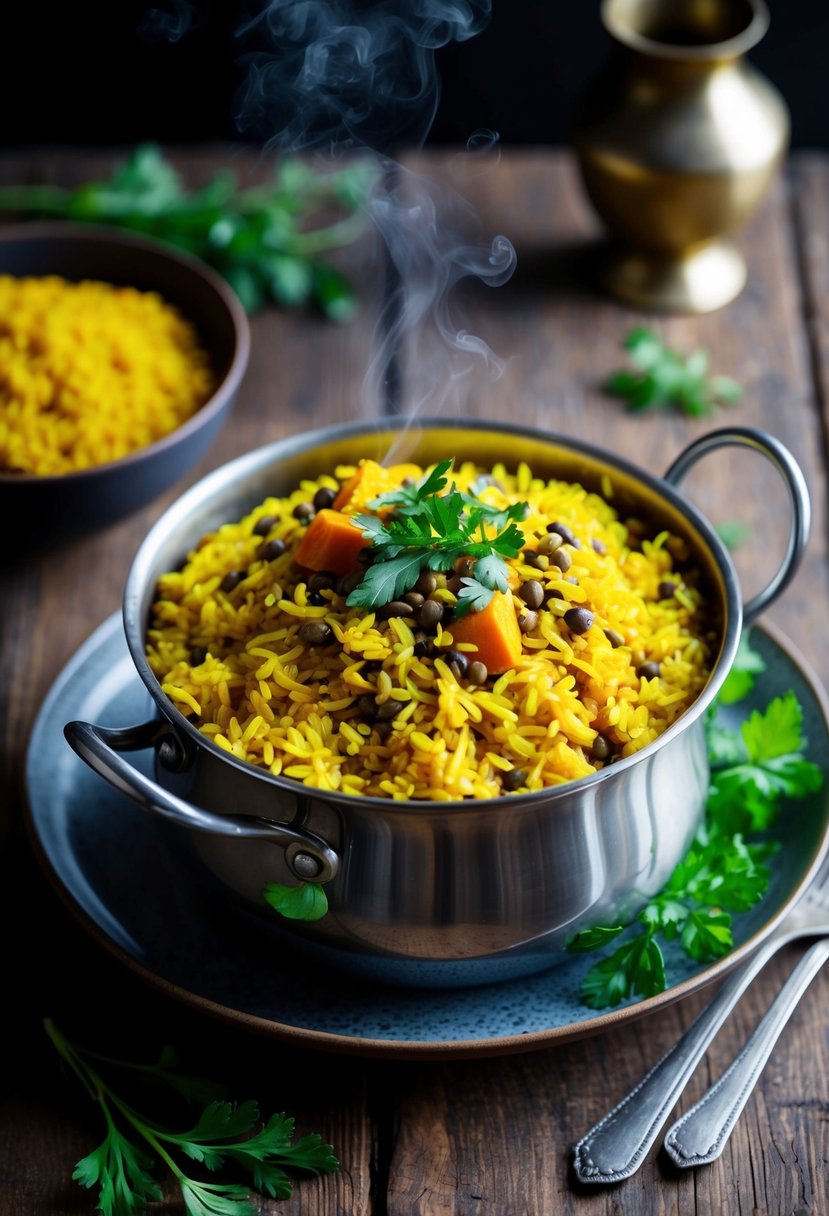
{"x":308,"y":856}
{"x":788,"y":468}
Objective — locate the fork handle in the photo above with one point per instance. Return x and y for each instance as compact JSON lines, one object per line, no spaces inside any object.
{"x":615,"y":1147}
{"x":701,"y":1134}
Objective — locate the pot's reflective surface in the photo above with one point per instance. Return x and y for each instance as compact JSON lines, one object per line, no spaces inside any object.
{"x":437,"y":893}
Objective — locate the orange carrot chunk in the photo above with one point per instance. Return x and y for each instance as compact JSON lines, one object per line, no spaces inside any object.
{"x":332,"y":542}
{"x":495,"y":631}
{"x":370,"y":480}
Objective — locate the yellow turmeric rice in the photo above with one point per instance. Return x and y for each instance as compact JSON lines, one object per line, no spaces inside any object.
{"x":265,"y":657}
{"x":90,"y":372}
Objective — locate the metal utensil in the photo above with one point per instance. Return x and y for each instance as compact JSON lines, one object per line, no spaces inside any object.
{"x":616,"y":1146}
{"x":701,"y":1134}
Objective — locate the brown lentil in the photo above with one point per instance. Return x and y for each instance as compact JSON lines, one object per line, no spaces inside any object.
{"x":648,"y":671}
{"x":614,"y":638}
{"x":579,"y":620}
{"x":549,"y":543}
{"x":322,"y":580}
{"x":601,"y":748}
{"x":323,"y":498}
{"x":316,"y":633}
{"x":264,"y":525}
{"x":477,"y":672}
{"x":565,"y":534}
{"x":271,"y":550}
{"x":426,"y":583}
{"x":349,"y":582}
{"x":430,"y":613}
{"x":528,"y":620}
{"x":563,"y":560}
{"x":304,"y":511}
{"x":532,"y":593}
{"x":395,"y":608}
{"x":232,"y":580}
{"x":457,"y":663}
{"x":514,"y":779}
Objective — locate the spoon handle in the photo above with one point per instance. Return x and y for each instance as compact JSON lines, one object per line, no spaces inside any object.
{"x":700,"y":1135}
{"x":615,"y":1147}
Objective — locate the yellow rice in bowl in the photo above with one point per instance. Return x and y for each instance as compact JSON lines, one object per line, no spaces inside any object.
{"x":90,"y":372}
{"x":385,"y":707}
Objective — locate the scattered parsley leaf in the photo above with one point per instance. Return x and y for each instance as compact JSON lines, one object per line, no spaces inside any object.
{"x":732,"y":533}
{"x":307,"y":901}
{"x":663,"y":378}
{"x":223,"y":1134}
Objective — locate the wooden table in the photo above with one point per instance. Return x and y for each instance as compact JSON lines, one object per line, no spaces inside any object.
{"x":478,"y":1135}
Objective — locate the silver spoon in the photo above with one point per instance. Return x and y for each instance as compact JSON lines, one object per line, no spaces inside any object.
{"x":701,"y":1134}
{"x":616,"y":1146}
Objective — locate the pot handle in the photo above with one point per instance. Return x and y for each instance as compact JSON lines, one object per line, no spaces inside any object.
{"x":788,"y":468}
{"x":308,"y":856}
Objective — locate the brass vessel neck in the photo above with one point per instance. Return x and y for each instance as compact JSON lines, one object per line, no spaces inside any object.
{"x":692,"y":32}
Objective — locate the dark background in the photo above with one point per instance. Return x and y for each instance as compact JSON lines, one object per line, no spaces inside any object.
{"x":100,"y":73}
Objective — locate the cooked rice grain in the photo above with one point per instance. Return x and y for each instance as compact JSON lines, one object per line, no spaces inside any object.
{"x":269,"y":698}
{"x":90,"y":372}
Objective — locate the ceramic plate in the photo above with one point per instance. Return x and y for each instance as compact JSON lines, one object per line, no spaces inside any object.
{"x":110,"y":862}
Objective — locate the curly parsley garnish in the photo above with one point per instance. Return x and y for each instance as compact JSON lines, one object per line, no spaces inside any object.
{"x":431,"y":528}
{"x":725,"y":871}
{"x":223,"y":1135}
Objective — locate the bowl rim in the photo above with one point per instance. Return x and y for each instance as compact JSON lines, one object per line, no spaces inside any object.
{"x":100,"y":234}
{"x":244,"y":466}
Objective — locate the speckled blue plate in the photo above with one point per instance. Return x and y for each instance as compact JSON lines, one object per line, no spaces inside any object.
{"x":104,"y":854}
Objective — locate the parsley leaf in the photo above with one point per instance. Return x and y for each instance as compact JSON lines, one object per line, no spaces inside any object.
{"x":740,"y":679}
{"x":267,"y":241}
{"x":664,"y":378}
{"x":307,"y":901}
{"x":223,"y":1134}
{"x":635,"y":968}
{"x":725,"y":871}
{"x":431,"y":530}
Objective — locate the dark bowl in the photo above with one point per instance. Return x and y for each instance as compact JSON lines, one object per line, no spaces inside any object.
{"x":46,"y":509}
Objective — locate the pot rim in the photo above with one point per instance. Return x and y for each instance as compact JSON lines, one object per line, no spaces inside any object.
{"x":237,"y":470}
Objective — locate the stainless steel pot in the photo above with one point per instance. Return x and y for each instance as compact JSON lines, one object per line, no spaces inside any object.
{"x":422,"y":892}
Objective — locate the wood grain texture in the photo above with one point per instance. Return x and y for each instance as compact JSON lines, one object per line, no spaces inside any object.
{"x":485,"y":1137}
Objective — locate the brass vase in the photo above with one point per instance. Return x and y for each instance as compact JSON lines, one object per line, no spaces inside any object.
{"x":678,"y":141}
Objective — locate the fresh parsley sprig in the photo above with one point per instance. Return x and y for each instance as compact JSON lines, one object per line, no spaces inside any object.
{"x":725,"y":872}
{"x":224,"y":1134}
{"x":431,"y":528}
{"x":664,"y":378}
{"x":268,"y":241}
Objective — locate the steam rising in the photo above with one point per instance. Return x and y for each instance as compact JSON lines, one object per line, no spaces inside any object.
{"x":335,"y":77}
{"x":340,"y":73}
{"x":428,"y":231}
